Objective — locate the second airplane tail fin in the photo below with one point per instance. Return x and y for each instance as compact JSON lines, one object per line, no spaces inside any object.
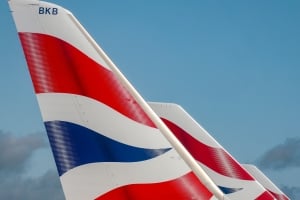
{"x":222,"y":168}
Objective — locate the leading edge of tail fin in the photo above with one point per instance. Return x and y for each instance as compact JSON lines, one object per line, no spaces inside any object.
{"x":265,"y":182}
{"x":222,"y":168}
{"x":104,"y":144}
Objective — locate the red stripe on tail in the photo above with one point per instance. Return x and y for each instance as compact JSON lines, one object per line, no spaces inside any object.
{"x":187,"y":187}
{"x":56,"y":66}
{"x":215,"y":158}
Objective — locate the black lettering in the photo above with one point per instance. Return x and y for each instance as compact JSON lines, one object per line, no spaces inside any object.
{"x":41,"y":10}
{"x":54,"y":11}
{"x":47,"y":11}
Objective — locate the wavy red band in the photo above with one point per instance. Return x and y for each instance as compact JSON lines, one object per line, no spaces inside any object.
{"x":186,"y":187}
{"x":215,"y":158}
{"x":265,"y":196}
{"x":56,"y":66}
{"x":279,"y":196}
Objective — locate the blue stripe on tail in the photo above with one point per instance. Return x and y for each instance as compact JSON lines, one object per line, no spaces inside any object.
{"x":74,"y":145}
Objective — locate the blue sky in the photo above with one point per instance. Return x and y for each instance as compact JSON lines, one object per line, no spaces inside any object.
{"x":233,"y":65}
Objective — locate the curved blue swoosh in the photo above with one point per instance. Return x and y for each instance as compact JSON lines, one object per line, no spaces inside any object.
{"x":227,"y":190}
{"x":74,"y":145}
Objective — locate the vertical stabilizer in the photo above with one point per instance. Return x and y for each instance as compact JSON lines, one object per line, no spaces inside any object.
{"x":105,"y":143}
{"x":221,"y":167}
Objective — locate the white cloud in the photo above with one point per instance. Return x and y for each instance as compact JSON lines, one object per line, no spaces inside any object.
{"x":15,"y":151}
{"x":282,"y":156}
{"x":46,"y":187}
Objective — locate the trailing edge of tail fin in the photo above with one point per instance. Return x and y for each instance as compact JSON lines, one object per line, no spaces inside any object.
{"x":265,"y":181}
{"x":222,"y":168}
{"x":104,"y":138}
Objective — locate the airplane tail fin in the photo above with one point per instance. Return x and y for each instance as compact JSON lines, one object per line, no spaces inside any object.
{"x":104,"y":144}
{"x":265,"y":181}
{"x":222,"y":168}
